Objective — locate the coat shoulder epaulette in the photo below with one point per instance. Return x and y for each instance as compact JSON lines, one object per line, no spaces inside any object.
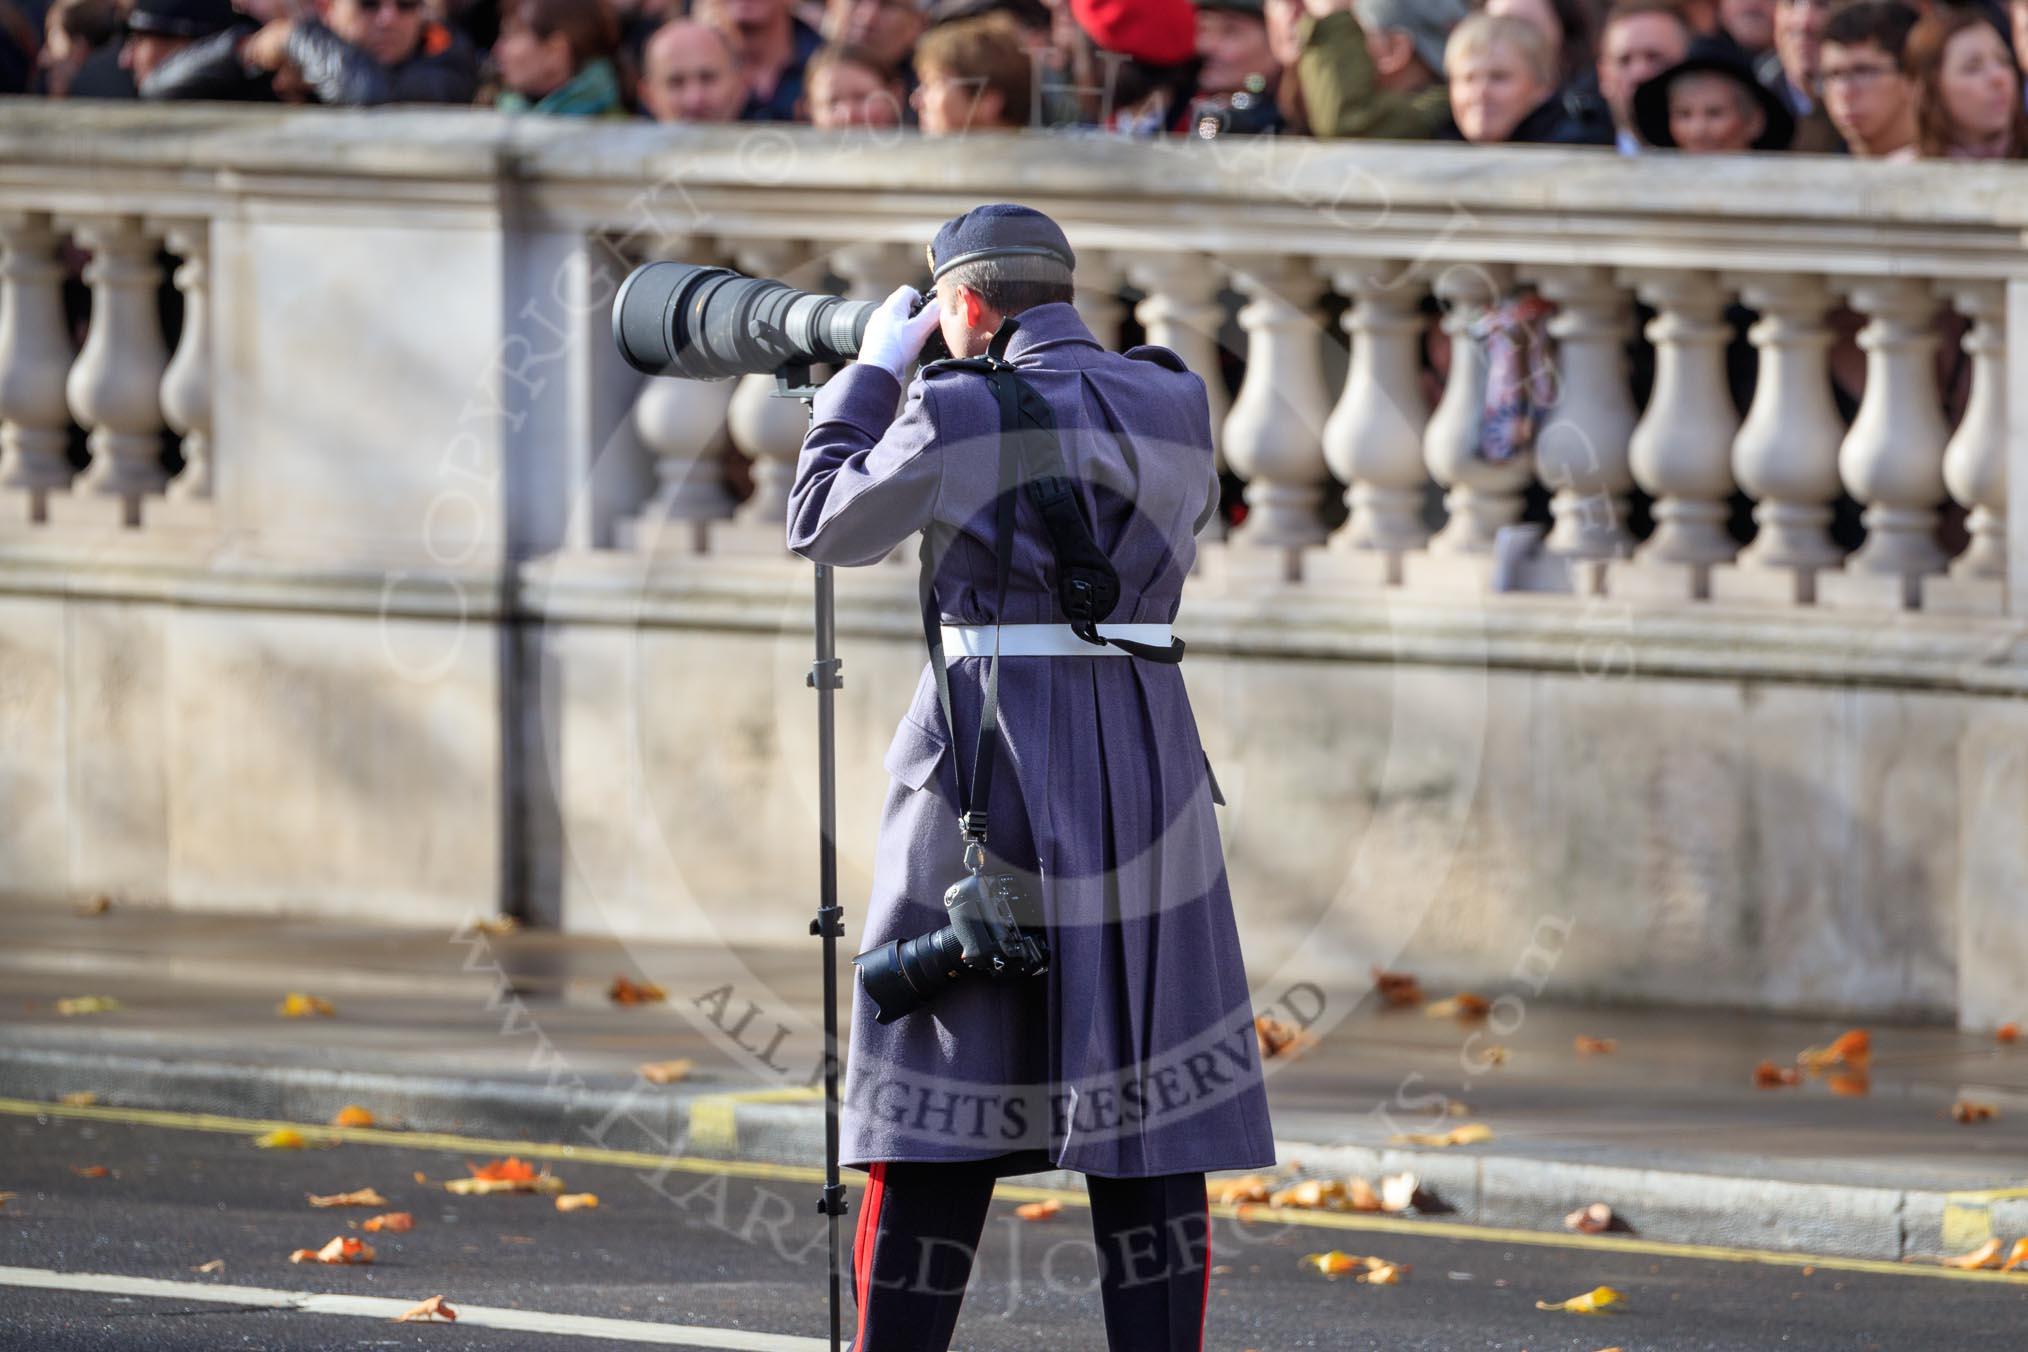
{"x":1161,"y":356}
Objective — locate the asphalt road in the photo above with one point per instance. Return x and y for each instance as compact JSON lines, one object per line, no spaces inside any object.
{"x":714,"y":1250}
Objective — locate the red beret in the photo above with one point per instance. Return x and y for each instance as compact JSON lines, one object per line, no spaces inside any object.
{"x":1159,"y":32}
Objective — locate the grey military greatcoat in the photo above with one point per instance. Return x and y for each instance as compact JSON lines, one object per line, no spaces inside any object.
{"x":1135,"y":1054}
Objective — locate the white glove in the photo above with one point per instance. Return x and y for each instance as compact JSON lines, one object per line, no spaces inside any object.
{"x":893,"y":340}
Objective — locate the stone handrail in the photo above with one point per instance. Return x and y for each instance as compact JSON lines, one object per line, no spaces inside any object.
{"x":394,"y":348}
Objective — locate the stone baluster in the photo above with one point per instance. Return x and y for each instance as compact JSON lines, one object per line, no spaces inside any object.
{"x":1181,"y":312}
{"x":682,"y":424}
{"x":35,"y":358}
{"x":873,"y":269}
{"x":186,"y":383}
{"x":1098,"y":296}
{"x":1681,"y":450}
{"x":1373,"y":440}
{"x":115,"y":386}
{"x":767,"y":430}
{"x":1273,"y":434}
{"x":1975,"y":461}
{"x":1581,"y":451}
{"x":1786,"y":453}
{"x":1481,"y":495}
{"x":1892,"y":457}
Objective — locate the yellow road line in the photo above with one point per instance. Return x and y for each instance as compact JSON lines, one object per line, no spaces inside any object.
{"x":714,"y":1118}
{"x":1253,"y":1213}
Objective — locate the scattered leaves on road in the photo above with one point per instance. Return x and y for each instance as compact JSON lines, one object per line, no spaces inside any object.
{"x":1232,"y":1191}
{"x":436,"y":1307}
{"x":1471,"y":1133}
{"x":281,"y":1138}
{"x":2007,"y":1034}
{"x":341,"y":1249}
{"x":1595,"y":1219}
{"x":297,"y":1005}
{"x":357,"y":1197}
{"x":1593,"y":1301}
{"x":72,"y":1005}
{"x":1397,"y":988}
{"x":394,"y":1222}
{"x":1464,"y":1006}
{"x":1768,"y":1075}
{"x":1279,"y":1038}
{"x":2018,"y":1257}
{"x":1372,"y":1271}
{"x":627,"y":991}
{"x":1851,"y":1049}
{"x":1985,"y":1256}
{"x":666,"y":1072}
{"x":508,"y":1175}
{"x":1968,"y":1111}
{"x":352,"y":1115}
{"x":1038,"y":1211}
{"x":1596,"y":1046}
{"x":577,"y":1201}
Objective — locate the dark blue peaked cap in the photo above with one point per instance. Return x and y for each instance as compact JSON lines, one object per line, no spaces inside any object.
{"x":998,"y":230}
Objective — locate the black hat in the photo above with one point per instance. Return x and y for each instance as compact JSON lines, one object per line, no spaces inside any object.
{"x":999,"y":230}
{"x":1257,"y":8}
{"x":1027,"y":13}
{"x":181,"y":18}
{"x":1712,"y":56}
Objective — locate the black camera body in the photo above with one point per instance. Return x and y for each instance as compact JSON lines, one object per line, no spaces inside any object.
{"x":934,"y":348}
{"x":986,"y":935}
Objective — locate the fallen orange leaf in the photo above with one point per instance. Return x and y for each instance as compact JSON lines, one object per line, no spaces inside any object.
{"x":666,"y":1072}
{"x":1969,"y":1111}
{"x":513,"y":1167}
{"x":626,"y":991}
{"x":90,"y":1170}
{"x":352,"y":1115}
{"x":1591,"y":1302}
{"x":296,"y":1005}
{"x":577,"y":1201}
{"x":435,"y":1307}
{"x":2007,"y":1033}
{"x":1985,"y":1256}
{"x":1334,"y":1263}
{"x":1313,"y":1194}
{"x":1856,"y":1084}
{"x":1397,"y":988}
{"x":1596,"y":1046}
{"x":1381,"y":1274}
{"x":1230,"y":1191}
{"x":1463,"y":1005}
{"x":281,"y":1138}
{"x":395,"y":1222}
{"x":1595,"y":1219}
{"x":421,"y":1177}
{"x":508,"y":1175}
{"x":1360,"y":1196}
{"x":1280,"y":1038}
{"x":342,"y":1249}
{"x":360,"y":1197}
{"x":1768,"y":1075}
{"x":2017,"y":1257}
{"x":1851,"y":1048}
{"x":1039,"y":1211}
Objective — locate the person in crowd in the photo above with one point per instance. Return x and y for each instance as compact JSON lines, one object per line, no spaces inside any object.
{"x":973,"y":75}
{"x":73,"y":30}
{"x":1566,"y":24}
{"x":158,"y":29}
{"x":1232,"y":45}
{"x":1374,"y":68}
{"x":1502,"y":74}
{"x":2017,"y":15}
{"x":1639,"y":40}
{"x":1139,"y":60}
{"x":21,"y":29}
{"x":1712,"y":103}
{"x":556,"y":58}
{"x":356,"y":53}
{"x":1967,"y":89}
{"x":1791,"y":72}
{"x":887,"y":29}
{"x":847,"y":86}
{"x":774,"y":48}
{"x":1869,"y":96}
{"x":1750,"y":24}
{"x":689,"y":74}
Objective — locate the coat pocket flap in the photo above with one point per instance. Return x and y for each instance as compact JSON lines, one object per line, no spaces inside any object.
{"x":915,"y":753}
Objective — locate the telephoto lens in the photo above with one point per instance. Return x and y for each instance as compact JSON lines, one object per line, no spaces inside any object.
{"x":903,"y":975}
{"x":706,"y":323}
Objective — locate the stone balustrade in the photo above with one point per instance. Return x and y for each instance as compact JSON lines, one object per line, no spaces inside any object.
{"x":324,"y":491}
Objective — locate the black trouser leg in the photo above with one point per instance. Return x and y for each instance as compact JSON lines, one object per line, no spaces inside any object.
{"x":919,"y":1227}
{"x":1154,"y":1244}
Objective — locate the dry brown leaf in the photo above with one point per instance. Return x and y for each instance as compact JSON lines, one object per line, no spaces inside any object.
{"x":358,"y":1197}
{"x":1038,"y":1211}
{"x":1768,"y":1075}
{"x":1591,"y":1302}
{"x":281,"y":1138}
{"x":73,"y":1005}
{"x":1596,"y":1046}
{"x":509,"y":1175}
{"x":496,"y":925}
{"x":1381,"y":1274}
{"x":1985,"y":1256}
{"x":1595,"y":1219}
{"x":394,"y":1222}
{"x":1279,"y":1038}
{"x":1335,"y":1263}
{"x":1457,"y":1108}
{"x":576,"y":1201}
{"x":342,"y":1249}
{"x":1472,"y":1133}
{"x":627,"y":991}
{"x":1852,"y":1084}
{"x":1851,"y":1049}
{"x":90,"y":1170}
{"x":1312,"y":1194}
{"x":421,"y":1177}
{"x":2007,"y":1034}
{"x":1361,"y":1195}
{"x":97,"y":905}
{"x":436,"y":1307}
{"x":1494,"y":1055}
{"x":297,"y":1005}
{"x":1397,"y":988}
{"x":1968,"y":1111}
{"x":666,"y":1072}
{"x":1464,"y":1006}
{"x":352,"y":1115}
{"x":83,"y":1098}
{"x":1232,"y":1191}
{"x":215,"y":1265}
{"x":1397,"y":1191}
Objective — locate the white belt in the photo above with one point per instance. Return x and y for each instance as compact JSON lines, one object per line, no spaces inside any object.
{"x":1046,"y":640}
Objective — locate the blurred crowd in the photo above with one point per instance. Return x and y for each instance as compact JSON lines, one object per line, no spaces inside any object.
{"x":1875,"y":78}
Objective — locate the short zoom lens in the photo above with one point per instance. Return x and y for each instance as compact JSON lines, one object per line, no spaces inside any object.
{"x":706,"y":323}
{"x":903,"y":975}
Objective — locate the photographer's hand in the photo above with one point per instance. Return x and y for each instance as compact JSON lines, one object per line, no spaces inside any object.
{"x":894,"y":338}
